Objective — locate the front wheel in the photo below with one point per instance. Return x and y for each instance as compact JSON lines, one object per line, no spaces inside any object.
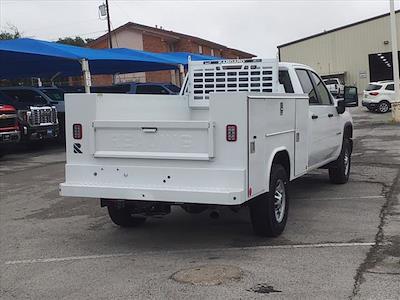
{"x":339,"y":173}
{"x":269,"y":211}
{"x":123,"y":217}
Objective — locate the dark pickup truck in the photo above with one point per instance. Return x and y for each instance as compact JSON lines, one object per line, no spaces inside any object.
{"x":36,"y":120}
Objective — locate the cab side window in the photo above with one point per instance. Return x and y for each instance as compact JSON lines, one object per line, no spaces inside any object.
{"x":390,"y":87}
{"x":307,"y":86}
{"x":322,"y":92}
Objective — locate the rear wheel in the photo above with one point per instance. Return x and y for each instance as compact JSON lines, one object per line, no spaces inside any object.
{"x":123,"y":217}
{"x":383,"y":106}
{"x":269,"y":211}
{"x":339,"y":173}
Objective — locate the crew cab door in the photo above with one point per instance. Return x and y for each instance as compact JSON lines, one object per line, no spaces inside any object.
{"x":330,"y":118}
{"x":323,"y":118}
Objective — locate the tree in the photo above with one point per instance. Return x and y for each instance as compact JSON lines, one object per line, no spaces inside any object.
{"x":74,"y":41}
{"x":10,"y":34}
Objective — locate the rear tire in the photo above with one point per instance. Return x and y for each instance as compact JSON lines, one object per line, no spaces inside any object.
{"x":339,"y":173}
{"x":122,"y":217}
{"x":383,"y":107}
{"x":269,"y":211}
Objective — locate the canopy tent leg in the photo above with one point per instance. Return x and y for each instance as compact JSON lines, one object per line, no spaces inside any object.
{"x":181,"y":74}
{"x":87,"y":80}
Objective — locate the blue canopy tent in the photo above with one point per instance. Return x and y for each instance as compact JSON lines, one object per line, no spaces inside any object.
{"x":29,"y":57}
{"x":35,"y":58}
{"x":176,"y":58}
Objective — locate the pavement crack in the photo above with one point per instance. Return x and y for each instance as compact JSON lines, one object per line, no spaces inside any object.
{"x":374,"y":254}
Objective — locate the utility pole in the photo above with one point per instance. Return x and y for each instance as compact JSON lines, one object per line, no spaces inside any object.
{"x":109,"y":25}
{"x":395,"y":65}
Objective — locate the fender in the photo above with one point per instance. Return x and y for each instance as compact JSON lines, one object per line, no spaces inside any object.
{"x":270,"y":161}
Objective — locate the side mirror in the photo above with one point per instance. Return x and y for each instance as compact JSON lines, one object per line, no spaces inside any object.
{"x":341,"y":106}
{"x":350,"y":96}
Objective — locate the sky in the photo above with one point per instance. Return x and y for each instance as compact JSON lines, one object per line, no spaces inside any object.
{"x":254,"y":26}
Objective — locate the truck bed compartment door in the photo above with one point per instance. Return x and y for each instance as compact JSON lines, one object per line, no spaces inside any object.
{"x":187,"y":140}
{"x":257,"y":115}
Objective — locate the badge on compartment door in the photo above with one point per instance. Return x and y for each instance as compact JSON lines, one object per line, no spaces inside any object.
{"x":77,"y":148}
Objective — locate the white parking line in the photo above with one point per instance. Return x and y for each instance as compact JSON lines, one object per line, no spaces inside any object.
{"x":343,"y":198}
{"x":102,"y":256}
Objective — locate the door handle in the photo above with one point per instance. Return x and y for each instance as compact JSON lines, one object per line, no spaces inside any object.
{"x":330,"y":115}
{"x":149,"y":129}
{"x":314,"y":117}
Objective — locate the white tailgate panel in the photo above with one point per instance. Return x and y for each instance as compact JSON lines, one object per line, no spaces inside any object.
{"x":191,"y":140}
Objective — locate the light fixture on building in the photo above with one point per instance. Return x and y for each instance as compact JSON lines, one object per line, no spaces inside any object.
{"x":103,"y":11}
{"x":386,"y":42}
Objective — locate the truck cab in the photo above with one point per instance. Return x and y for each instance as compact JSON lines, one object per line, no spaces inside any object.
{"x":237,"y":134}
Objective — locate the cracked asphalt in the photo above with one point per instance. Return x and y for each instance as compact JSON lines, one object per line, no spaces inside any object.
{"x":341,"y":241}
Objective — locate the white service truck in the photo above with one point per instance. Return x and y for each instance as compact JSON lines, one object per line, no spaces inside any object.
{"x":236,"y":135}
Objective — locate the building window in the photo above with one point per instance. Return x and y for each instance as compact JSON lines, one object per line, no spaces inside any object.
{"x":212,"y":52}
{"x":200,"y":49}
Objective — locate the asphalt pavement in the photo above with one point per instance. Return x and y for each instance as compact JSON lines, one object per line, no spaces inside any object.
{"x":341,"y":241}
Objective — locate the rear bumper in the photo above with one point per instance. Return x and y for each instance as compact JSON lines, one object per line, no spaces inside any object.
{"x":173,"y":185}
{"x":369,"y":104}
{"x":182,"y":195}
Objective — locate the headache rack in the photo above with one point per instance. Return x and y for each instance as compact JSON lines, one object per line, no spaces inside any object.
{"x":42,"y":116}
{"x":238,"y":75}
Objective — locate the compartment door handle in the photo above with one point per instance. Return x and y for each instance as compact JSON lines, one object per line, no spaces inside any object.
{"x":149,"y":129}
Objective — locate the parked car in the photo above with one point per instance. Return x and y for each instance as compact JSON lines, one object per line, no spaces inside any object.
{"x":236,"y":139}
{"x":9,"y":130}
{"x":335,"y":86}
{"x":37,"y":120}
{"x":138,"y":88}
{"x":378,"y":96}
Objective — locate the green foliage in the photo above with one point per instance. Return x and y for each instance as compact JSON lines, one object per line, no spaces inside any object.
{"x":10,"y":34}
{"x":74,"y":41}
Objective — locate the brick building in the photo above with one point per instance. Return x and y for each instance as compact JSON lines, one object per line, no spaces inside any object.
{"x":157,"y":39}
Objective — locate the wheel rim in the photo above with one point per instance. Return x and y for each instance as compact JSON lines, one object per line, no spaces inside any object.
{"x":384,"y":107}
{"x":280,"y":200}
{"x":346,"y":162}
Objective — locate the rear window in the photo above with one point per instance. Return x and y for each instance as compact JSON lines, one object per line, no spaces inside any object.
{"x":173,"y":88}
{"x":330,"y":81}
{"x":284,"y":79}
{"x":151,"y":89}
{"x":112,"y":89}
{"x":373,"y":87}
{"x":54,"y":94}
{"x":25,"y":96}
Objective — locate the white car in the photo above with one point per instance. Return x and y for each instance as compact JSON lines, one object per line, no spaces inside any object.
{"x":378,"y":96}
{"x":334,"y":86}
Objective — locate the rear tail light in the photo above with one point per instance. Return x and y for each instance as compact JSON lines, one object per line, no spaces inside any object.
{"x":77,"y":131}
{"x":231,"y":133}
{"x":374,"y":93}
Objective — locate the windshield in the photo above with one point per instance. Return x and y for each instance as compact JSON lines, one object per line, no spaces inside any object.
{"x":373,"y":87}
{"x":54,"y":94}
{"x":25,"y":96}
